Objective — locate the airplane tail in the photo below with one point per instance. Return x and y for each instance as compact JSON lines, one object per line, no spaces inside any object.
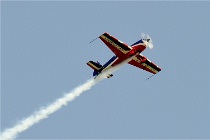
{"x":96,"y":66}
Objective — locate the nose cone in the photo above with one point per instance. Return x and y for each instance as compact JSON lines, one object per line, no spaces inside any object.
{"x":145,"y":42}
{"x":148,"y":43}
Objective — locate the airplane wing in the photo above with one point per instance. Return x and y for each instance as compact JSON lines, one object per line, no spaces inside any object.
{"x":143,"y":63}
{"x":118,"y":47}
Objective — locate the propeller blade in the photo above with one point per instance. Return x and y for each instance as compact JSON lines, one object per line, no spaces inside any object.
{"x":148,"y":39}
{"x":143,"y":35}
{"x":150,"y":45}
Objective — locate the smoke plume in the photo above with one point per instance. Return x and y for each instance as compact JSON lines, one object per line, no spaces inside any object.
{"x":44,"y":112}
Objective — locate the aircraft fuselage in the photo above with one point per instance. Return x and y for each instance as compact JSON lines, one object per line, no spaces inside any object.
{"x":117,"y":62}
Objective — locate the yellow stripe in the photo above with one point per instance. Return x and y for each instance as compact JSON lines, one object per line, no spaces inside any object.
{"x":136,"y":59}
{"x":113,"y":44}
{"x":150,"y":68}
{"x":94,"y":66}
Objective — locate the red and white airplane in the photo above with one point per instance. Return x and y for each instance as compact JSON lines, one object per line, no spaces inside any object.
{"x":124,"y":54}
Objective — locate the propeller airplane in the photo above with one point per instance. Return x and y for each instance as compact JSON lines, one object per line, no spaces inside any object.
{"x":124,"y":54}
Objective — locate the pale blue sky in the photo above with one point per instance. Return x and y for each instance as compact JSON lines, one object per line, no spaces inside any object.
{"x":45,"y":47}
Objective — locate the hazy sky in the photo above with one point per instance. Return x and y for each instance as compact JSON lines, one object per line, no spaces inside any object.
{"x":45,"y":47}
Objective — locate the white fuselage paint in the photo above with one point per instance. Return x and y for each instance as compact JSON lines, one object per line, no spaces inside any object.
{"x":106,"y":72}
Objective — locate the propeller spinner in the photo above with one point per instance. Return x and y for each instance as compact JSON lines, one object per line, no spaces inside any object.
{"x":147,"y":40}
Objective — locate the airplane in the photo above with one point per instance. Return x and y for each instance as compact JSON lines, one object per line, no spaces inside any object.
{"x":125,"y":54}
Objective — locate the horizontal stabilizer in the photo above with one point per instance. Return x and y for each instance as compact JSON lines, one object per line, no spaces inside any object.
{"x":96,"y":66}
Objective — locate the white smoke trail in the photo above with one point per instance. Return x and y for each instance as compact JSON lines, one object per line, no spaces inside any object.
{"x":43,"y":113}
